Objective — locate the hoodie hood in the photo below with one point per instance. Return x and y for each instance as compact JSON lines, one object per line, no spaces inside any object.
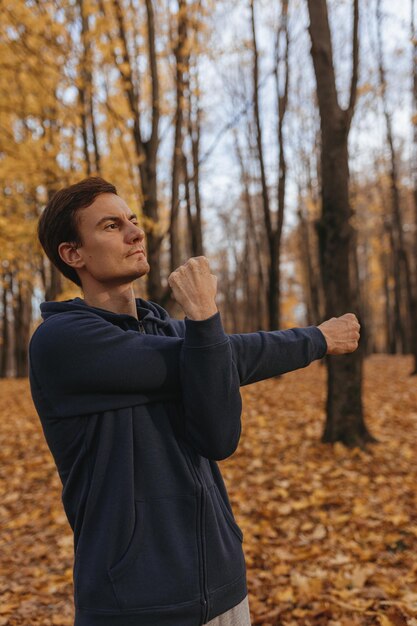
{"x":147,"y":311}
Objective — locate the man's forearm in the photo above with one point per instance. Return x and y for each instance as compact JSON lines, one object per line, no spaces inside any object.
{"x":265,"y":354}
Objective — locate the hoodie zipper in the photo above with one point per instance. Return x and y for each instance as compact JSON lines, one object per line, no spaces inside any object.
{"x":203,"y":545}
{"x":201,"y":520}
{"x":141,"y":327}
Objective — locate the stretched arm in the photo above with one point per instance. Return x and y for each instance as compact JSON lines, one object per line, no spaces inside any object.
{"x":264,"y":354}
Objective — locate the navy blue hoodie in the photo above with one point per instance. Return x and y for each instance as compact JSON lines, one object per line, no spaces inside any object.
{"x":136,"y":413}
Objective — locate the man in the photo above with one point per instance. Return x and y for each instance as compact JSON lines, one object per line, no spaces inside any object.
{"x":137,"y":407}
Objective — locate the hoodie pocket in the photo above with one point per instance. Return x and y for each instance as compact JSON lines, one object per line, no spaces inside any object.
{"x":135,"y":545}
{"x":225,"y":558}
{"x":160,"y":565}
{"x":229,"y":517}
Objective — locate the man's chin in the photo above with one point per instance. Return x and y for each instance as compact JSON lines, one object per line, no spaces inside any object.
{"x":131,"y":276}
{"x":142,"y":271}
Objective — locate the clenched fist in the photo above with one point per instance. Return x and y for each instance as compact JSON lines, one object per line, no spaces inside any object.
{"x":341,"y":333}
{"x":195,"y":288}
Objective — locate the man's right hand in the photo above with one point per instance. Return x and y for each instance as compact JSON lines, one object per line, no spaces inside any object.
{"x":194,"y":287}
{"x":341,"y":333}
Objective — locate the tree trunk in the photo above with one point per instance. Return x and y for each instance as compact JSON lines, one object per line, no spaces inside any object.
{"x":311,"y":280}
{"x":273,"y":232}
{"x":396,"y":330}
{"x":22,"y":319}
{"x":308,"y":243}
{"x":194,"y":132}
{"x":389,"y":322}
{"x":345,"y":420}
{"x":254,"y":252}
{"x":5,"y":338}
{"x":271,"y":295}
{"x":191,"y":242}
{"x":403,"y":272}
{"x":85,"y":93}
{"x":148,"y":168}
{"x":281,"y":62}
{"x":53,"y":277}
{"x":414,"y":178}
{"x":182,"y":63}
{"x":54,"y":284}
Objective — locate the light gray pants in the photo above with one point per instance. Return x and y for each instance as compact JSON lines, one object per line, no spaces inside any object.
{"x":237,"y":616}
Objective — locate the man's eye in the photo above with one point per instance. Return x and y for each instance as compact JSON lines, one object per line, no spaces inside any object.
{"x":114,"y":224}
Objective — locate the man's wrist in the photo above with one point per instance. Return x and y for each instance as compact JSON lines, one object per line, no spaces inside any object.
{"x":203,"y":333}
{"x":326,"y":338}
{"x":198,"y":315}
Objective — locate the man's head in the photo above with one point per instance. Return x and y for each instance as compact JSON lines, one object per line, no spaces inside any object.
{"x":86,"y":248}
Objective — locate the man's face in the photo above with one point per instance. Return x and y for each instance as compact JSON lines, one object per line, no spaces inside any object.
{"x":110,"y":234}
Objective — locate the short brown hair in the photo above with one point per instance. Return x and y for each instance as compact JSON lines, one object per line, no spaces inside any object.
{"x":59,"y":223}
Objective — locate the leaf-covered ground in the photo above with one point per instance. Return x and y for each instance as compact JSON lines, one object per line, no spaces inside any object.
{"x":330,"y":535}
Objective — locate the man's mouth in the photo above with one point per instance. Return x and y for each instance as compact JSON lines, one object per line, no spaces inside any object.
{"x":140,"y":251}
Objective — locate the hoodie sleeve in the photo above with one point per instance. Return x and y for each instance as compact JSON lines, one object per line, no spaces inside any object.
{"x":264,"y":354}
{"x":210,"y":387}
{"x":84,"y":364}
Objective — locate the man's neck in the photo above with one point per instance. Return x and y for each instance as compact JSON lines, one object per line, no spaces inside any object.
{"x":122,"y":301}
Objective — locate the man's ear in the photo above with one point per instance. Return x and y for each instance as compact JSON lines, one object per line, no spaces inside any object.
{"x":69,"y":253}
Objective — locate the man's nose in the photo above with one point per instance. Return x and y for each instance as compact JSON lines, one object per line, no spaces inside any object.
{"x":136,"y":233}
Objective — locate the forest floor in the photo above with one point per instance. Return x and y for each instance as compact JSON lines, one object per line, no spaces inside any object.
{"x":330,"y":534}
